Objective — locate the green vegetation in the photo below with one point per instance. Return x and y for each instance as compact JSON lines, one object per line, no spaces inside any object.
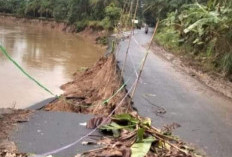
{"x":201,"y":30}
{"x":99,"y":14}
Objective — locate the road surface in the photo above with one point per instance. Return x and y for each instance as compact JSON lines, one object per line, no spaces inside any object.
{"x":205,"y":116}
{"x":49,"y":131}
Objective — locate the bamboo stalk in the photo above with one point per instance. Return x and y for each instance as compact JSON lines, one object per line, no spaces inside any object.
{"x":130,"y":11}
{"x":119,"y":27}
{"x":136,"y":9}
{"x":122,"y":12}
{"x":130,"y":38}
{"x":144,"y":60}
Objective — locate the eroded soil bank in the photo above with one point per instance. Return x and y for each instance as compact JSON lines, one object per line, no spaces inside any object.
{"x":51,"y":24}
{"x":92,"y":90}
{"x":48,"y":24}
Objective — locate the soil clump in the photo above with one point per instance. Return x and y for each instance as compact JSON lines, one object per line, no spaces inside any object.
{"x":91,"y":91}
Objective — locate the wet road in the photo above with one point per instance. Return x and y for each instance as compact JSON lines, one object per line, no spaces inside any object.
{"x":205,"y":116}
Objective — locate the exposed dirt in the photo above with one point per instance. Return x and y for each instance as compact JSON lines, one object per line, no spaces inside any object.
{"x":44,"y":23}
{"x":91,"y":88}
{"x":215,"y":81}
{"x":93,"y":35}
{"x":8,"y":120}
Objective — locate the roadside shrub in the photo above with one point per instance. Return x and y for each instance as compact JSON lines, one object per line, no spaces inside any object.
{"x":167,"y":34}
{"x":227,"y":63}
{"x":205,"y":30}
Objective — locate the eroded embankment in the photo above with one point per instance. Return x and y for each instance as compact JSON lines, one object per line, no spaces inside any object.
{"x":91,"y":90}
{"x":98,"y":91}
{"x":40,"y":23}
{"x":51,"y":24}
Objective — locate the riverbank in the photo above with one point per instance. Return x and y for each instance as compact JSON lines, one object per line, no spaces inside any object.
{"x":39,"y":23}
{"x":91,"y":91}
{"x":51,"y":24}
{"x":49,"y":55}
{"x":86,"y":94}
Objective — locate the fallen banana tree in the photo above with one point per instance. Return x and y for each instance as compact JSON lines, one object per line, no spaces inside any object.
{"x":129,"y":135}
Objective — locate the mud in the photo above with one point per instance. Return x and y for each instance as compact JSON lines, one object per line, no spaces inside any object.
{"x":89,"y":89}
{"x":214,"y":81}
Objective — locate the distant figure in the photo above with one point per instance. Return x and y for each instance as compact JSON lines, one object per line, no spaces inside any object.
{"x":146,"y":29}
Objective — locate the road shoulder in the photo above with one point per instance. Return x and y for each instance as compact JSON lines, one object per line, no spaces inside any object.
{"x":215,"y":83}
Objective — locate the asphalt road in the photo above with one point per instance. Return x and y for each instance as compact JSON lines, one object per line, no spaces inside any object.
{"x":48,"y":131}
{"x":205,"y":116}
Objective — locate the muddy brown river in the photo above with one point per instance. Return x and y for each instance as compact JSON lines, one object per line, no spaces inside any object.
{"x":49,"y":56}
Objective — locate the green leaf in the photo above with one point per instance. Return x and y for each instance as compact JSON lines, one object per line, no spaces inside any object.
{"x":112,"y":126}
{"x":126,"y":117}
{"x":140,"y":134}
{"x":140,"y":149}
{"x":115,"y":128}
{"x":147,"y":122}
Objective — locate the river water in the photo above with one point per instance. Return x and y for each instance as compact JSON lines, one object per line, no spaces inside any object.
{"x":49,"y":56}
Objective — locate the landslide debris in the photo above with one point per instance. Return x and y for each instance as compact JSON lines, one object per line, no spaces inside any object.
{"x":90,"y":90}
{"x":129,"y":135}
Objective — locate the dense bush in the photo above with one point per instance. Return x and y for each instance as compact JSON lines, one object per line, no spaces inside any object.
{"x":201,"y":29}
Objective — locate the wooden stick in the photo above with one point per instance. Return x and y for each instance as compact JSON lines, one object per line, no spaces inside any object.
{"x":123,"y":11}
{"x":130,"y":10}
{"x":144,"y":60}
{"x":130,"y":38}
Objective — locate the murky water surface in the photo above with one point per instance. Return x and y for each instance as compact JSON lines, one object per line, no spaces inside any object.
{"x":49,"y":56}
